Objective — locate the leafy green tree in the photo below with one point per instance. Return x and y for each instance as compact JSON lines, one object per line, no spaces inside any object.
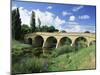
{"x":56,"y":30}
{"x":44,"y":28}
{"x":51,"y":29}
{"x":16,"y":24}
{"x":25,"y":29}
{"x":32,"y":22}
{"x":39,"y":21}
{"x":63,"y":31}
{"x":86,"y":32}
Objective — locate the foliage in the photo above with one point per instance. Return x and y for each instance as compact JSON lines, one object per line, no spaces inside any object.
{"x":87,"y":32}
{"x":24,"y":60}
{"x":32,"y":22}
{"x":51,"y":29}
{"x":48,"y":29}
{"x":63,"y":31}
{"x":62,"y":50}
{"x":19,"y":50}
{"x":25,"y":29}
{"x":29,"y":65}
{"x":16,"y":24}
{"x":39,"y":26}
{"x":44,"y":28}
{"x":64,"y":58}
{"x":82,"y":59}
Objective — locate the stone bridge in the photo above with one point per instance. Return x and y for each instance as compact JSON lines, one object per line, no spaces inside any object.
{"x":56,"y":39}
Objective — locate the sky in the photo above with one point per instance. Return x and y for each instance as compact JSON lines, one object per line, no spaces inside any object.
{"x":68,"y":17}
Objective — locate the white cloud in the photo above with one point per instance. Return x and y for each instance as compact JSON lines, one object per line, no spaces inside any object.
{"x":58,"y":22}
{"x":71,"y":23}
{"x":49,"y":7}
{"x":74,"y":28}
{"x":77,"y":8}
{"x":25,"y":16}
{"x":79,"y":28}
{"x":45,"y":17}
{"x":84,"y":17}
{"x":72,"y":18}
{"x":65,"y":13}
{"x":48,"y":18}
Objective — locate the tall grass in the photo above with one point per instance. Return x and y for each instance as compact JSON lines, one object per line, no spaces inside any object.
{"x":29,"y":65}
{"x":62,"y":50}
{"x":82,"y":59}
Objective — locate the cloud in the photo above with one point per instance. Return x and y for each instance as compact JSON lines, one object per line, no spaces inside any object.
{"x":71,"y":23}
{"x":58,"y":22}
{"x":49,"y":7}
{"x":75,"y":9}
{"x":25,"y":15}
{"x":84,"y":17}
{"x":45,"y":17}
{"x":48,"y":18}
{"x":76,"y":27}
{"x":65,"y":13}
{"x":72,"y":18}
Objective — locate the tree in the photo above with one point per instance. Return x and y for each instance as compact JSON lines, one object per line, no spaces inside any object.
{"x":32,"y":22}
{"x":63,"y":31}
{"x":44,"y":28}
{"x":56,"y":30}
{"x":51,"y":29}
{"x":25,"y":29}
{"x":86,"y":32}
{"x":39,"y":28}
{"x":16,"y":24}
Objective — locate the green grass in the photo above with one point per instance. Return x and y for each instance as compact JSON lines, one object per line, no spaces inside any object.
{"x":19,"y":45}
{"x":83,"y":59}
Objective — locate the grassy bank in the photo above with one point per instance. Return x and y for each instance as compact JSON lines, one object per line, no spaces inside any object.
{"x":83,"y":59}
{"x":25,"y":59}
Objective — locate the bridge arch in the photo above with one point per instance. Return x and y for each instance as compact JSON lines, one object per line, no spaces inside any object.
{"x":65,"y":41}
{"x":29,"y":41}
{"x":80,"y":40}
{"x":38,"y":41}
{"x":50,"y":42}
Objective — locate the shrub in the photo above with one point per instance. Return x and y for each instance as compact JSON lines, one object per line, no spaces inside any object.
{"x":29,"y":65}
{"x":62,"y":50}
{"x":18,"y":54}
{"x":37,"y":51}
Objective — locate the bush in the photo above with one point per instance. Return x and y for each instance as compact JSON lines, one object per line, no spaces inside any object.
{"x":18,"y":54}
{"x":62,"y":50}
{"x":37,"y":51}
{"x":29,"y":65}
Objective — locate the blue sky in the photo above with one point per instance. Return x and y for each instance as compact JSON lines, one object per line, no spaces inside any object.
{"x":68,"y":17}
